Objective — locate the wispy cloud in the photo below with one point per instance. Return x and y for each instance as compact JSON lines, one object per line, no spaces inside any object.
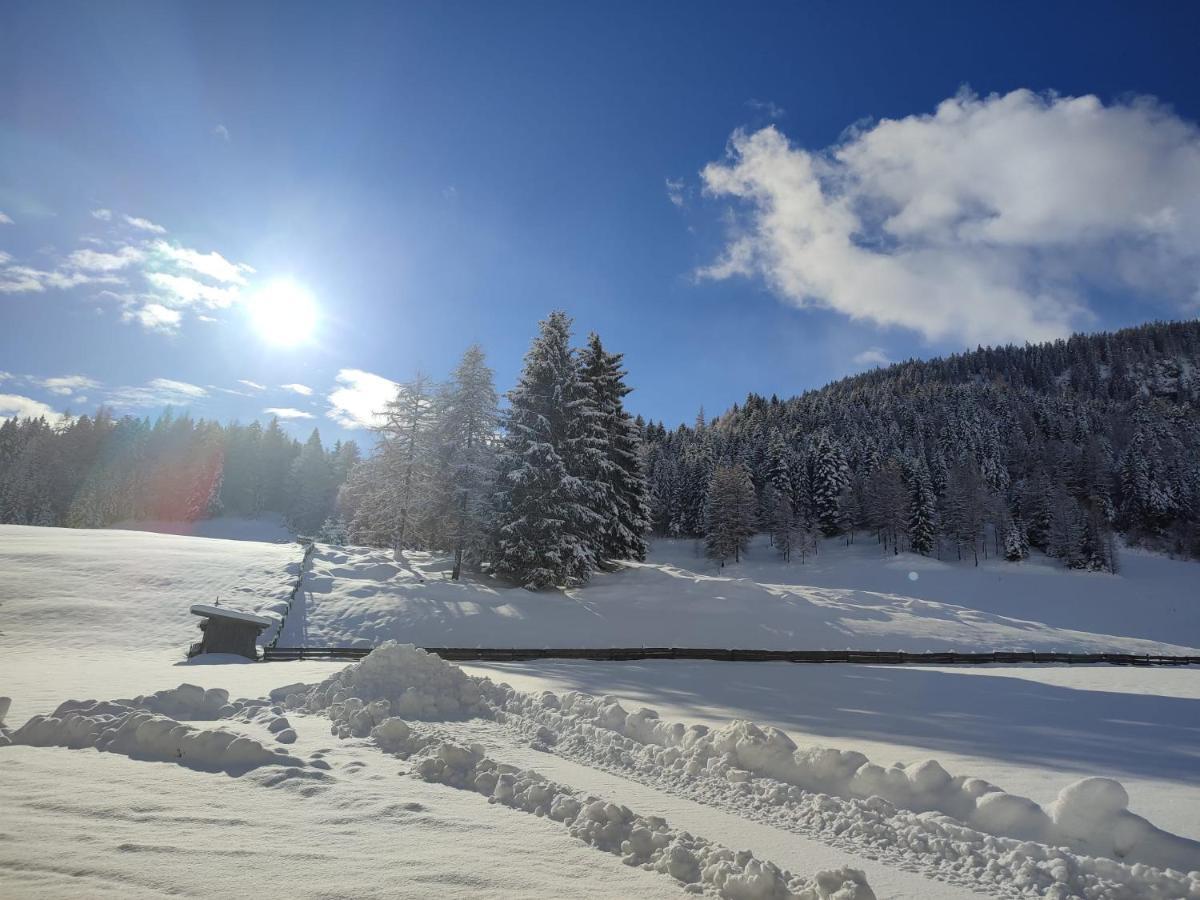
{"x":158,"y":392}
{"x":221,"y":131}
{"x":253,"y":385}
{"x":65,"y":385}
{"x":986,"y":221}
{"x":14,"y":405}
{"x":99,"y":261}
{"x":155,"y":281}
{"x":183,"y":290}
{"x":287,"y":412}
{"x":28,"y":280}
{"x":144,"y":225}
{"x":212,"y":264}
{"x":767,"y":108}
{"x":302,"y":389}
{"x":154,"y":317}
{"x":359,"y":398}
{"x":871,"y":357}
{"x":5,"y":219}
{"x":676,"y":191}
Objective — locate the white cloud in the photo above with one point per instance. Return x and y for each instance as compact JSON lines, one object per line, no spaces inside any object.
{"x":359,"y":398}
{"x":154,"y":317}
{"x":253,"y":385}
{"x":14,"y":405}
{"x":183,"y":290}
{"x":222,"y":132}
{"x":97,"y":261}
{"x":28,"y":280}
{"x":144,"y":225}
{"x":68,"y":384}
{"x":158,"y":392}
{"x":213,"y":264}
{"x":104,"y":215}
{"x":5,"y":219}
{"x":302,"y":389}
{"x":287,"y":412}
{"x":871,"y":357}
{"x":986,"y":221}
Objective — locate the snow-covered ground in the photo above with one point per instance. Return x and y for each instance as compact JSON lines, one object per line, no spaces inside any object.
{"x":846,"y":598}
{"x":104,"y":615}
{"x":268,"y":527}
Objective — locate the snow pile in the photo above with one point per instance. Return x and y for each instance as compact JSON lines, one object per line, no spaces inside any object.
{"x":645,"y":841}
{"x":393,"y":680}
{"x":919,"y":813}
{"x":188,"y":701}
{"x":113,"y":727}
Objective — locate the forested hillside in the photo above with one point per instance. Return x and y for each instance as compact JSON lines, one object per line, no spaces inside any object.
{"x":1053,"y":445}
{"x":93,"y":471}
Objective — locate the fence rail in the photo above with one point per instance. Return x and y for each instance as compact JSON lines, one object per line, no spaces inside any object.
{"x":624,"y":654}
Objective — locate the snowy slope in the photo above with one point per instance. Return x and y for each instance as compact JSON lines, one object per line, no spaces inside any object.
{"x":129,"y":589}
{"x":1013,"y":727}
{"x":848,"y":598}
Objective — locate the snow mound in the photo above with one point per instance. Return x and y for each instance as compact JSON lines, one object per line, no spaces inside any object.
{"x":392,"y":680}
{"x":113,"y":727}
{"x":763,"y":766}
{"x":645,"y":841}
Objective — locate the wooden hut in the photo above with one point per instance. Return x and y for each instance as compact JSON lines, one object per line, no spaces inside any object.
{"x":228,"y":631}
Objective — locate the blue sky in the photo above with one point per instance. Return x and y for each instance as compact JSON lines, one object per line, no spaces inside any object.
{"x":740,"y":199}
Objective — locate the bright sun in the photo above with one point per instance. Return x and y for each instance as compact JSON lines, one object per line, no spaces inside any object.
{"x":284,"y":313}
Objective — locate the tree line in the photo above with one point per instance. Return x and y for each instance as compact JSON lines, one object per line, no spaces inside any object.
{"x":989,"y":453}
{"x":95,"y":471}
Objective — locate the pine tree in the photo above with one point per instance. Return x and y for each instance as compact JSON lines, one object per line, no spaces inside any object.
{"x":732,"y":506}
{"x":830,"y":476}
{"x":781,"y":522}
{"x":546,"y":530}
{"x":620,"y":472}
{"x":467,"y":420}
{"x":1016,"y":542}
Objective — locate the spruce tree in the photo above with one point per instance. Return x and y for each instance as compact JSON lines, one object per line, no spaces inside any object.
{"x":922,"y":530}
{"x":619,"y":472}
{"x":830,"y":475}
{"x":546,"y":530}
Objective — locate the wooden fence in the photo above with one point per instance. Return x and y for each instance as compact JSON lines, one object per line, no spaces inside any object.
{"x":624,"y":654}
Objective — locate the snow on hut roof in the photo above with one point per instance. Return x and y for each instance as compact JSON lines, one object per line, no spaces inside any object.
{"x":224,"y":612}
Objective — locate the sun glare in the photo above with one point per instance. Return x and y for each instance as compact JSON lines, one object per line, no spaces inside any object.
{"x":283,"y":313}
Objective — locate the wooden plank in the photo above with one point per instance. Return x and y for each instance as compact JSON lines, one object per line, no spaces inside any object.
{"x":623,"y":654}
